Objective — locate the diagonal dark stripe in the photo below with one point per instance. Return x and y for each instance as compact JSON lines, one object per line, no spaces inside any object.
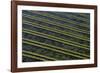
{"x":51,"y":36}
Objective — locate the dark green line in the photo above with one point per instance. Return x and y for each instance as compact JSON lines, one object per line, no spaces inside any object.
{"x":30,"y":56}
{"x":66,"y":53}
{"x":65,"y":19}
{"x":52,"y":23}
{"x":79,"y":18}
{"x":51,"y":37}
{"x":57,"y":31}
{"x":59,"y":48}
{"x":32,"y":53}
